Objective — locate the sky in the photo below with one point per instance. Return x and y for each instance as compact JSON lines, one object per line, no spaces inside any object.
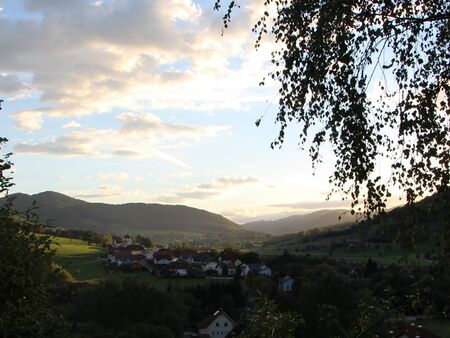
{"x":121,"y":101}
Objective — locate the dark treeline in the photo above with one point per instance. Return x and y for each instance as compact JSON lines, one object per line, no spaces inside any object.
{"x":334,"y":298}
{"x":93,"y":237}
{"x":341,"y":299}
{"x":134,"y":309}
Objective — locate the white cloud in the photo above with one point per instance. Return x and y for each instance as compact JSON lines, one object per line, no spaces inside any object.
{"x":71,"y":125}
{"x":101,"y":192}
{"x":208,"y":189}
{"x":113,"y":176}
{"x":30,"y":120}
{"x":149,"y":124}
{"x":140,"y":136}
{"x":85,"y":57}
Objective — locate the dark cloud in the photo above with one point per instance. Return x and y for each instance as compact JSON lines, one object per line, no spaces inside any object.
{"x":10,"y":84}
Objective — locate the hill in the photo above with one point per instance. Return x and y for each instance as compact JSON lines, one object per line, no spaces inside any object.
{"x":165,"y":222}
{"x":297,"y":223}
{"x":418,"y":231}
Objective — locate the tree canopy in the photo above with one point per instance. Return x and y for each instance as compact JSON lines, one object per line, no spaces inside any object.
{"x":331,"y":57}
{"x":26,"y":272}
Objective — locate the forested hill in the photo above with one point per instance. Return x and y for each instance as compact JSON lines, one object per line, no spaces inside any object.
{"x":297,"y":223}
{"x":66,"y":212}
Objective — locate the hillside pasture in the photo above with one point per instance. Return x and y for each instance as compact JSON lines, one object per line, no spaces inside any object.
{"x":384,"y":253}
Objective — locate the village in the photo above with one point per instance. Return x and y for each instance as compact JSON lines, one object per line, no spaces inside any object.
{"x":126,"y":255}
{"x":129,"y":256}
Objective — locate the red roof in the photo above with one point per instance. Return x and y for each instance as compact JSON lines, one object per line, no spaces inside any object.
{"x":179,"y":265}
{"x":135,"y":247}
{"x":413,"y":331}
{"x":205,"y":323}
{"x":122,"y":254}
{"x":161,"y":254}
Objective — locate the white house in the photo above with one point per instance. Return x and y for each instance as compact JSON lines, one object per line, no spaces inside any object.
{"x":127,"y":240}
{"x":162,"y":257}
{"x":258,"y":269}
{"x":286,"y":284}
{"x":226,"y":268}
{"x":210,"y":266}
{"x":244,"y":270}
{"x":179,"y":268}
{"x":218,"y":325}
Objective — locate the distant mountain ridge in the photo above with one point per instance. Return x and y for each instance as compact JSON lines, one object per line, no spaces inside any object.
{"x":70,"y":213}
{"x":296,"y":223}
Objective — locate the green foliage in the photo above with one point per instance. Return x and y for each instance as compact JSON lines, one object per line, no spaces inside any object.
{"x":26,"y":273}
{"x":112,"y":305}
{"x":145,"y":241}
{"x":26,"y":277}
{"x":329,"y":53}
{"x":142,"y":330}
{"x":266,"y":320}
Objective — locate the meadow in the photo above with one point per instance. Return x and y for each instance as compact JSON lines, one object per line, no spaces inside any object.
{"x":391,"y":253}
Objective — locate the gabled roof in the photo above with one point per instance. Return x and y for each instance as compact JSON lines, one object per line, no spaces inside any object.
{"x":205,"y":323}
{"x":121,"y":254}
{"x":178,"y":265}
{"x":256,"y":266}
{"x":135,"y":247}
{"x":285,"y":279}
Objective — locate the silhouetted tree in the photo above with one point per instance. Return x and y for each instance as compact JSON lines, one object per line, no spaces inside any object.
{"x":329,"y":54}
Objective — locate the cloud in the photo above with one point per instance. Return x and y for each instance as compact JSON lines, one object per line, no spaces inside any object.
{"x":75,"y":144}
{"x":140,"y":136}
{"x":228,"y":181}
{"x":10,"y":84}
{"x":30,"y":120}
{"x":313,"y":205}
{"x":101,"y":192}
{"x":149,"y":124}
{"x":86,"y":57}
{"x":113,"y":176}
{"x":71,"y":125}
{"x":208,"y":189}
{"x":197,"y":194}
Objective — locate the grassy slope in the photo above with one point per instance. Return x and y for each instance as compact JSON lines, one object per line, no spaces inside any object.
{"x":79,"y":259}
{"x":386,"y":254}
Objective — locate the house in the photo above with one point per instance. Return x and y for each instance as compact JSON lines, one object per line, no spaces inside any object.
{"x":136,"y":249}
{"x":178,"y":268}
{"x":120,"y":257}
{"x":202,"y":258}
{"x":127,"y":240}
{"x":218,"y":325}
{"x":226,"y":269}
{"x":124,"y":257}
{"x":162,"y":257}
{"x":259,"y":269}
{"x":285,"y":284}
{"x":210,"y":266}
{"x":148,"y":254}
{"x":245,"y":270}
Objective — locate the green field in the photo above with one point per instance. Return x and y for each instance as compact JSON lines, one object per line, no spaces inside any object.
{"x":80,"y":259}
{"x":385,"y":254}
